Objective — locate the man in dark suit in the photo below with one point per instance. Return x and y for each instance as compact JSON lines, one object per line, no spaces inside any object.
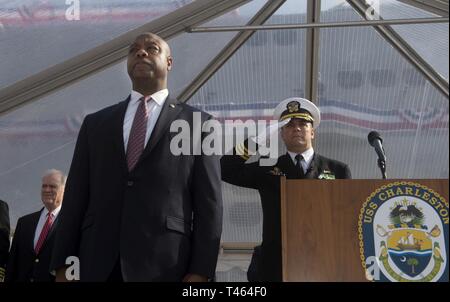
{"x":133,"y":211}
{"x":32,"y":244}
{"x":4,"y":237}
{"x":297,"y":120}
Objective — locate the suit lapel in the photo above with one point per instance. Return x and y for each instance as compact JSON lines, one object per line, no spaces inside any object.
{"x":33,"y":225}
{"x":52,"y":229}
{"x":169,"y":112}
{"x":314,"y":167}
{"x":287,"y":166}
{"x":117,"y":135}
{"x":50,"y":233}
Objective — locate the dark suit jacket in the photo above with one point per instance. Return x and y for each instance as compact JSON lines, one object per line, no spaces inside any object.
{"x":4,"y":233}
{"x":163,"y":219}
{"x":23,"y":263}
{"x":266,"y":180}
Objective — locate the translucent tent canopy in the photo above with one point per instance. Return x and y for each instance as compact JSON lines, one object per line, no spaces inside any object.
{"x":388,"y":77}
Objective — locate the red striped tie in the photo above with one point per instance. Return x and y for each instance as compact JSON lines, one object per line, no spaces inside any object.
{"x":136,"y":140}
{"x":44,"y":233}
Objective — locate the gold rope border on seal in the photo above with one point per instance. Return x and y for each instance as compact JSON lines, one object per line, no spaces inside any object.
{"x":361,"y":213}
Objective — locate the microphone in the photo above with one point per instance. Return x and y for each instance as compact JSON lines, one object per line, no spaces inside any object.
{"x":376,"y":141}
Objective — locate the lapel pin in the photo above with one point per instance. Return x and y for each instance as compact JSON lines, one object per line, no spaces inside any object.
{"x":172,"y":105}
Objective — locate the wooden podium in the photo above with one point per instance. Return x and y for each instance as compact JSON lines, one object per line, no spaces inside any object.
{"x":320,"y":226}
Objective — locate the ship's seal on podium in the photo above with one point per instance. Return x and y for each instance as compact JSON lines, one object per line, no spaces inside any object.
{"x":403,"y":234}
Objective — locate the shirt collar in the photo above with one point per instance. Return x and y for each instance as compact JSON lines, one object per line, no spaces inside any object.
{"x":159,"y":97}
{"x":307,"y":156}
{"x":55,"y":211}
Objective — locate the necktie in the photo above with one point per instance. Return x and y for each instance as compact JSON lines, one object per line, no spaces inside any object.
{"x":136,"y":141}
{"x":299,"y":159}
{"x":47,"y":226}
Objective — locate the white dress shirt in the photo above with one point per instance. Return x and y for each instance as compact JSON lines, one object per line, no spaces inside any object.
{"x":41,"y":223}
{"x":155,"y":105}
{"x":307,"y":158}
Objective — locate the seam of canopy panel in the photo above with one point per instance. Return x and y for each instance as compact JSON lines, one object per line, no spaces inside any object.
{"x":103,"y":56}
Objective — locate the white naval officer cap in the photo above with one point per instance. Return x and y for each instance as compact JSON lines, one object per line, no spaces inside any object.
{"x":296,"y":107}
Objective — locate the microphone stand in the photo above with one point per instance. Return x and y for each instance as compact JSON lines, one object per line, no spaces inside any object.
{"x":382,"y":166}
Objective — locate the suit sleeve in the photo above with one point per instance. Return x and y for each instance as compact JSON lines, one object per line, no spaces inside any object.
{"x":207,"y":222}
{"x":75,"y":201}
{"x":11,"y":268}
{"x":4,"y":237}
{"x":235,"y":171}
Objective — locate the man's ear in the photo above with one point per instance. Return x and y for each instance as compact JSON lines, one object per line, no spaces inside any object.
{"x":312,"y":133}
{"x":169,"y":62}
